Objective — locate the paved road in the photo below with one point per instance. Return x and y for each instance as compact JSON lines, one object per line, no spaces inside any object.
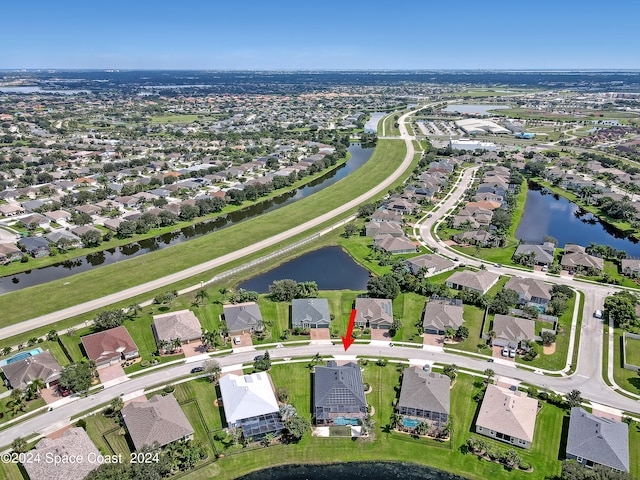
{"x":48,"y":319}
{"x":588,"y":375}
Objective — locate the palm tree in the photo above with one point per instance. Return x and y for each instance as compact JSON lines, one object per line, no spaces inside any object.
{"x":19,"y":445}
{"x":489,"y":373}
{"x":209,"y":339}
{"x":134,"y":309}
{"x":396,"y":420}
{"x":223,"y":291}
{"x":36,"y":385}
{"x":201,"y":296}
{"x":176,"y":344}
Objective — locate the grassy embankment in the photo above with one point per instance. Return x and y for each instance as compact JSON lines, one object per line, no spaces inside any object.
{"x":19,"y":306}
{"x":114,"y":242}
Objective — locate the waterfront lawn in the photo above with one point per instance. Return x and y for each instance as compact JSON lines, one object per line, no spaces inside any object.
{"x":18,"y":306}
{"x":558,"y":359}
{"x":626,"y":379}
{"x":359,"y":248}
{"x":385,"y":445}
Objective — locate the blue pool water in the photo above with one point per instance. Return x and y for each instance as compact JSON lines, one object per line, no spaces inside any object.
{"x":346,"y":421}
{"x":410,"y":422}
{"x":20,"y":356}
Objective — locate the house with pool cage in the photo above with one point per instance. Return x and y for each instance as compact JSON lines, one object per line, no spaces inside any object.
{"x":424,"y":397}
{"x":338,"y":395}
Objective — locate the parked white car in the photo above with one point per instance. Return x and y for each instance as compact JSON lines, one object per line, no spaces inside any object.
{"x":505,"y":352}
{"x":236,"y":340}
{"x":512,"y":353}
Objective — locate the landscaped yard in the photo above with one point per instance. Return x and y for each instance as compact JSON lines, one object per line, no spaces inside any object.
{"x":626,"y":379}
{"x":632,"y":351}
{"x":473,"y":321}
{"x":408,"y":307}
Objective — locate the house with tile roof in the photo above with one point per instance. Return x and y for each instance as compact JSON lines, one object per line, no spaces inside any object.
{"x":532,"y":292}
{"x":21,"y":373}
{"x":429,"y":264}
{"x":310,"y":313}
{"x":250,"y":404}
{"x":182,"y":324}
{"x":542,"y":253}
{"x":394,"y":245}
{"x":480,"y":281}
{"x":74,"y":443}
{"x":159,"y":419}
{"x":375,"y":313}
{"x":439,"y":314}
{"x":338,"y":394}
{"x":109,"y":347}
{"x":425,"y":396}
{"x":576,"y":258}
{"x":512,"y":331}
{"x":595,"y":440}
{"x":507,"y":415}
{"x":243,"y":318}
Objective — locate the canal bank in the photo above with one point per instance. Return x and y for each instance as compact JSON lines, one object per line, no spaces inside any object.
{"x":31,"y":276}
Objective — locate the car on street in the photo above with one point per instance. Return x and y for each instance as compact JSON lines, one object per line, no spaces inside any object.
{"x":598,"y":314}
{"x":197,"y":369}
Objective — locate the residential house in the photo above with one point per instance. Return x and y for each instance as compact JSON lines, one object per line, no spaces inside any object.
{"x":439,"y":314}
{"x":542,"y":253}
{"x":57,"y":215}
{"x":481,"y":238}
{"x":386,"y":216}
{"x":35,"y":220}
{"x":9,"y":253}
{"x":507,"y":415}
{"x":250,"y":404}
{"x":109,"y":347}
{"x":338,"y":395}
{"x":35,"y":246}
{"x":20,"y":373}
{"x":631,"y":267}
{"x":310,"y":313}
{"x":425,"y":396}
{"x":72,"y":444}
{"x":596,"y":440}
{"x":88,"y":209}
{"x":80,"y":231}
{"x":159,"y":419}
{"x":374,"y":229}
{"x":402,"y":206}
{"x":512,"y":331}
{"x":63,"y":237}
{"x":395,"y":245}
{"x":183,"y":325}
{"x":429,"y":264}
{"x":480,"y":281}
{"x":473,"y":217}
{"x":532,"y":292}
{"x":374,"y":313}
{"x":243,"y":318}
{"x":10,"y":209}
{"x":575,"y":257}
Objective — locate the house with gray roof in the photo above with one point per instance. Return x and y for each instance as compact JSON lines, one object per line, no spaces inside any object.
{"x":394,"y":245}
{"x":480,"y":281}
{"x":243,"y":318}
{"x":250,"y":404}
{"x":482,"y":238}
{"x":532,"y":292}
{"x":425,"y":396}
{"x":21,"y":373}
{"x":182,"y":324}
{"x":542,"y":253}
{"x":159,"y":419}
{"x":429,"y":264}
{"x":373,"y":229}
{"x":442,"y":313}
{"x":575,"y":258}
{"x":512,"y":331}
{"x":310,"y":313}
{"x":35,"y":246}
{"x":597,"y":441}
{"x":386,"y":216}
{"x":9,"y":253}
{"x":338,"y":394}
{"x":61,"y":236}
{"x":375,"y":313}
{"x":631,"y":266}
{"x":74,"y":443}
{"x":507,"y":415}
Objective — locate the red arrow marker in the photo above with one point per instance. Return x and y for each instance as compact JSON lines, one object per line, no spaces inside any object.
{"x":348,"y":340}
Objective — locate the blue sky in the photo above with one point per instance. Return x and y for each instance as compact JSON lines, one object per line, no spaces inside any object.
{"x":414,"y":34}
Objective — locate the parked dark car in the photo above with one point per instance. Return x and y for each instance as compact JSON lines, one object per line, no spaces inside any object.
{"x":197,"y":369}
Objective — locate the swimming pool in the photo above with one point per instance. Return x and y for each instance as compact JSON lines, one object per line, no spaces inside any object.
{"x":410,"y":422}
{"x":20,"y":356}
{"x":346,"y":421}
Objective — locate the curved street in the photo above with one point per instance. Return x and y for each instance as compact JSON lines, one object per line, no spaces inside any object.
{"x":587,"y":377}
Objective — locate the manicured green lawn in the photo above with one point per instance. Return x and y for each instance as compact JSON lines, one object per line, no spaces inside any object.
{"x":634,"y":448}
{"x":632,"y":351}
{"x":359,"y":247}
{"x":473,"y":321}
{"x":193,"y":412}
{"x":408,"y":307}
{"x":6,"y":408}
{"x":85,"y":286}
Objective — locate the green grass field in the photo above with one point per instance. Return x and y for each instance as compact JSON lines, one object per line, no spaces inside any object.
{"x":632,"y":351}
{"x":626,"y":379}
{"x":112,"y":278}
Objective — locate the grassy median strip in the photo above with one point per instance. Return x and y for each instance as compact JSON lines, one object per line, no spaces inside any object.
{"x":34,"y":301}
